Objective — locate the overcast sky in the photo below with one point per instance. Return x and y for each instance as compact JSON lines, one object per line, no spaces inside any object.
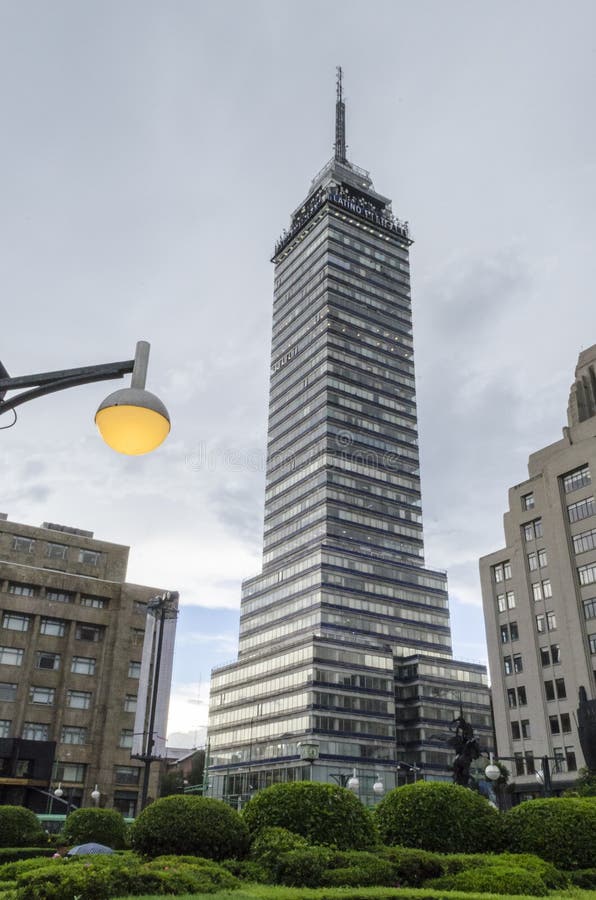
{"x":151,"y":155}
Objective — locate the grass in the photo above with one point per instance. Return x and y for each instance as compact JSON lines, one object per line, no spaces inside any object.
{"x":270,"y":892}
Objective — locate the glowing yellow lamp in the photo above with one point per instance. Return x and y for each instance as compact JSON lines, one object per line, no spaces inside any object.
{"x":133,"y":421}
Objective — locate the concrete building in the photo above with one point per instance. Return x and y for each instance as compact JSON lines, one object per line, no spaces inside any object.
{"x":539,"y":596}
{"x":345,"y":611}
{"x":71,"y":652}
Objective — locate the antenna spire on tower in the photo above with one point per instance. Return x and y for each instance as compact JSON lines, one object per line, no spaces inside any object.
{"x":340,"y":121}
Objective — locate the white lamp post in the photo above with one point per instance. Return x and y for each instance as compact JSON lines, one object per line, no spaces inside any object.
{"x":492,"y":772}
{"x":95,"y":795}
{"x":378,"y":787}
{"x":353,"y":782}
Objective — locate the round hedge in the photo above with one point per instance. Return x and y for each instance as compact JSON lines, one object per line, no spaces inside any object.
{"x":195,"y":826}
{"x":561,"y":830}
{"x":103,"y":826}
{"x":19,"y":827}
{"x":322,"y":813}
{"x":445,"y":818}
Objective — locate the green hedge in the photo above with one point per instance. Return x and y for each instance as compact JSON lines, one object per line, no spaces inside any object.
{"x":584,"y":878}
{"x":561,"y":830}
{"x":190,"y":825}
{"x":19,"y":827}
{"x":103,"y":826}
{"x":440,"y":817}
{"x":358,"y":868}
{"x":494,"y":880}
{"x":12,"y":854}
{"x":321,"y":813}
{"x":413,"y":867}
{"x":302,"y":868}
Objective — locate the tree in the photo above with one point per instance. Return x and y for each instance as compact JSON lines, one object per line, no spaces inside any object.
{"x":585,"y":785}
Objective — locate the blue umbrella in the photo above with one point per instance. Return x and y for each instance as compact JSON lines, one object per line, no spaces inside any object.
{"x":89,"y":849}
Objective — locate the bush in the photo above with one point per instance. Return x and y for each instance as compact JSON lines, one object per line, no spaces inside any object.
{"x":552,"y":878}
{"x":584,"y":878}
{"x":12,"y":854}
{"x":19,"y":827}
{"x":445,"y":818}
{"x":302,"y":868}
{"x":197,"y":826}
{"x":358,"y":868}
{"x":270,"y":843}
{"x":413,"y":867}
{"x":561,"y":830}
{"x":494,"y":880}
{"x":322,"y":813}
{"x":103,"y":826}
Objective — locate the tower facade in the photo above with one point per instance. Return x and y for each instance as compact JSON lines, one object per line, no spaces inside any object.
{"x":344,"y":603}
{"x":539,"y":597}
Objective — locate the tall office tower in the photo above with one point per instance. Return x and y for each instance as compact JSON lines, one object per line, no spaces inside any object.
{"x":539,"y":596}
{"x":74,"y":656}
{"x":344,"y":610}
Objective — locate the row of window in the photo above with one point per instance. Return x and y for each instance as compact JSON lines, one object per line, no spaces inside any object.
{"x":80,"y":665}
{"x":555,"y":690}
{"x":565,"y":760}
{"x":542,"y":590}
{"x":587,"y":574}
{"x":520,"y":730}
{"x":55,"y":627}
{"x":560,"y":724}
{"x":577,"y":479}
{"x":513,"y":664}
{"x":57,"y":551}
{"x":509,"y":632}
{"x":532,"y":530}
{"x":537,"y":560}
{"x":21,"y":589}
{"x":517,"y":697}
{"x":70,"y":734}
{"x":546,"y":622}
{"x":550,"y":655}
{"x":583,"y":509}
{"x":47,"y":696}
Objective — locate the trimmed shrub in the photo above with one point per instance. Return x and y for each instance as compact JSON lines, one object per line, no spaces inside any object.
{"x":445,"y":818}
{"x":358,"y":868}
{"x":197,"y":826}
{"x":247,"y":870}
{"x":302,"y":868}
{"x":103,"y":826}
{"x":561,"y":830}
{"x":13,"y":854}
{"x":413,"y":867}
{"x":584,"y":878}
{"x":270,"y":843}
{"x":494,"y":880}
{"x":321,"y":813}
{"x":550,"y":875}
{"x":19,"y":827}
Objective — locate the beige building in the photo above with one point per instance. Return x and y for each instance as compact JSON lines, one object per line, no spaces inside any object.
{"x":71,"y":649}
{"x":539,"y":596}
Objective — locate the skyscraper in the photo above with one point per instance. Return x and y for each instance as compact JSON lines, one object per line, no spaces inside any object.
{"x":344,"y":608}
{"x":539,"y":599}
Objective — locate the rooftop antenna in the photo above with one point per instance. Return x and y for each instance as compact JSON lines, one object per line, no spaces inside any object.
{"x":340,"y":122}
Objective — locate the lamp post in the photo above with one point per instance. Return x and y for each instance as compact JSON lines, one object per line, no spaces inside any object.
{"x":409,"y":767}
{"x":132,"y":420}
{"x":162,"y":607}
{"x":378,"y":787}
{"x":95,"y":795}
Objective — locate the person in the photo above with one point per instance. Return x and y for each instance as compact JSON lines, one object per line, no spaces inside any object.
{"x":61,"y":852}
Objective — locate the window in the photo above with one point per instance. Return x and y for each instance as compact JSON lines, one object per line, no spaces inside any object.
{"x":525,"y":727}
{"x":94,"y":602}
{"x":4,"y":728}
{"x":11,"y":656}
{"x":48,"y":660}
{"x":518,"y":663}
{"x":44,"y":695}
{"x":542,"y":558}
{"x":60,"y":596}
{"x":551,"y":621}
{"x":547,"y":589}
{"x":590,"y":608}
{"x":510,"y":600}
{"x":71,"y":772}
{"x":89,"y":557}
{"x":89,"y":633}
{"x":532,"y":530}
{"x":78,"y":699}
{"x":560,"y":686}
{"x":22,"y":590}
{"x":544,"y":656}
{"x":537,"y":591}
{"x":521,"y":696}
{"x":514,"y":631}
{"x":554,"y":724}
{"x":126,"y":738}
{"x":501,"y":602}
{"x":515,"y":732}
{"x":592,"y":640}
{"x":137,"y":636}
{"x":125,"y":802}
{"x":527,"y":501}
{"x":504,"y":634}
{"x":570,"y":759}
{"x":565,"y":723}
{"x":511,"y":698}
{"x":83,"y":665}
{"x":549,"y":690}
{"x":53,"y":627}
{"x":586,"y":540}
{"x":57,"y":551}
{"x":577,"y":479}
{"x":35,"y":731}
{"x":130,"y":703}
{"x":540,"y":623}
{"x":134,"y":669}
{"x":23,"y":544}
{"x":555,"y":652}
{"x":587,"y":574}
{"x":15,"y":622}
{"x":519,"y":763}
{"x":507,"y":665}
{"x":502,"y":571}
{"x":127,"y":774}
{"x":532,"y":562}
{"x":581,"y":510}
{"x":140,"y":607}
{"x":507,"y":569}
{"x":8,"y":692}
{"x":72,"y":734}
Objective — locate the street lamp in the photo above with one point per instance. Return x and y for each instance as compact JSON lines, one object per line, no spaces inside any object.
{"x":132,"y":420}
{"x":95,"y":795}
{"x":353,"y":782}
{"x":378,"y":787}
{"x":492,"y":772}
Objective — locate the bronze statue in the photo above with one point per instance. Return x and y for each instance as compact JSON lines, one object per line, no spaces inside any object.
{"x":466,"y":749}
